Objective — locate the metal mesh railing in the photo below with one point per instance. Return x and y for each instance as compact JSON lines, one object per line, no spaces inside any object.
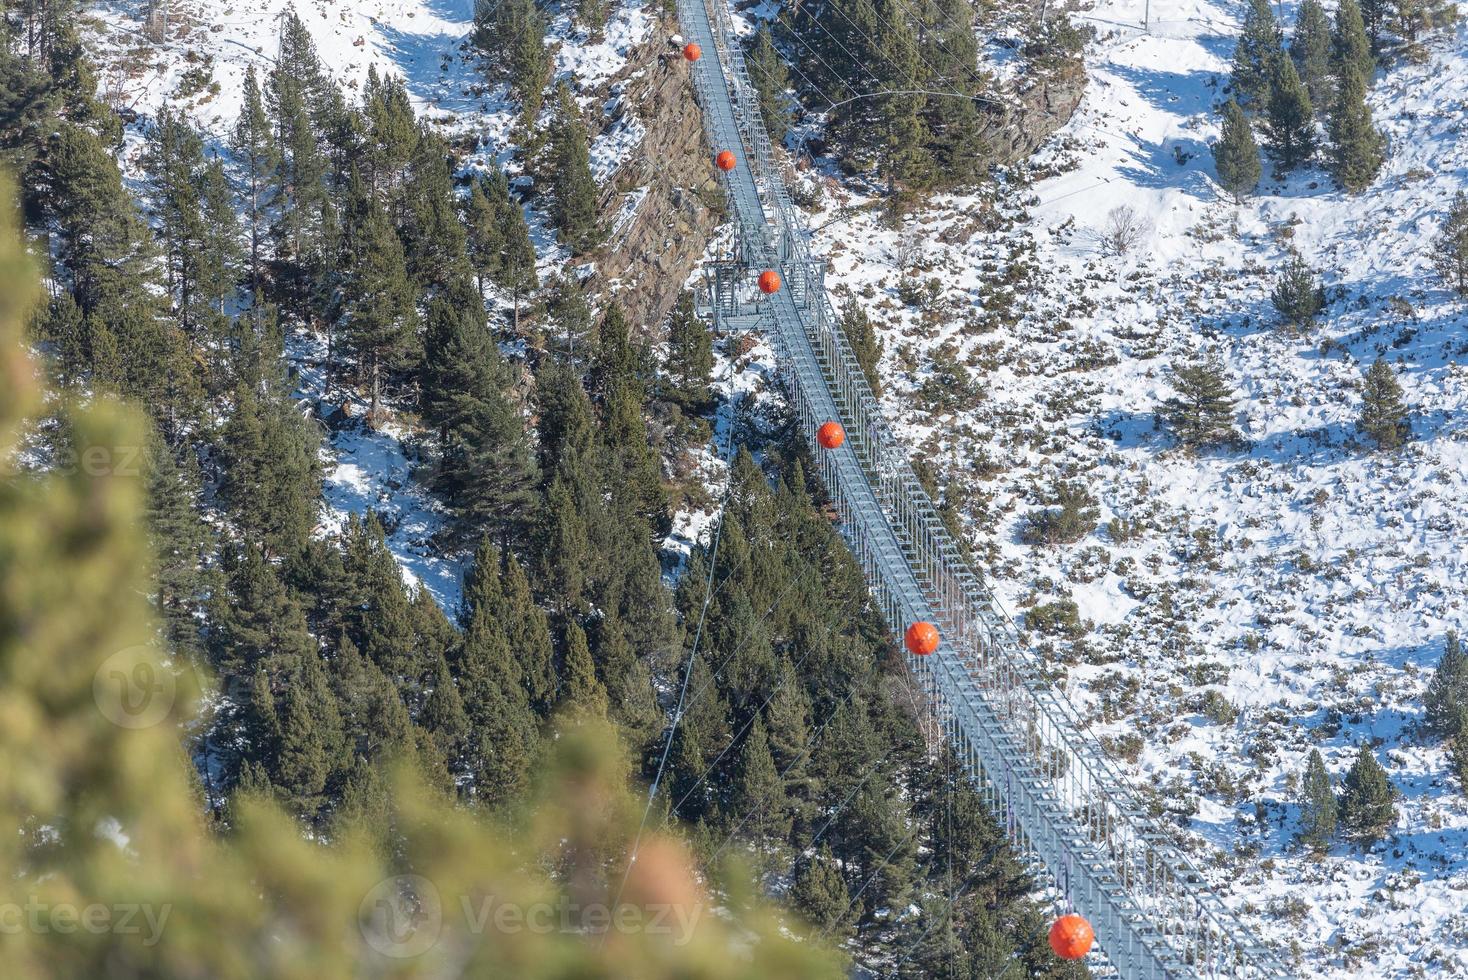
{"x":1062,"y":802}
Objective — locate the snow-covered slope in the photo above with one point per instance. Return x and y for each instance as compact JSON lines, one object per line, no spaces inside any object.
{"x":1252,"y":604}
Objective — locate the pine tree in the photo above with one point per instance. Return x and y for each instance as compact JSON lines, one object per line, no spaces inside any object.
{"x":486,"y":471}
{"x":173,"y":162}
{"x":575,"y":207}
{"x":619,"y":374}
{"x":757,"y":787}
{"x":1297,"y":296}
{"x":819,"y":893}
{"x":181,"y":541}
{"x":510,"y":38}
{"x":1450,"y":247}
{"x":1352,"y":49}
{"x":690,"y":360}
{"x":1201,"y":412}
{"x":1383,"y":414}
{"x":628,"y":681}
{"x":1367,"y":807}
{"x":1318,"y":806}
{"x":1373,"y":17}
{"x":272,"y":476}
{"x":1447,"y":693}
{"x":592,"y":15}
{"x":434,"y":242}
{"x":570,"y":311}
{"x":258,"y":155}
{"x":503,"y":734}
{"x":864,"y":341}
{"x":1412,"y":19}
{"x":1257,"y":55}
{"x":1458,"y":753}
{"x":581,"y":690}
{"x":1355,"y":144}
{"x":1236,"y":155}
{"x":377,"y":301}
{"x":771,"y":82}
{"x":482,"y":225}
{"x":392,"y":140}
{"x":254,"y":622}
{"x":299,"y":201}
{"x":1311,"y":50}
{"x":443,"y":712}
{"x":515,"y":272}
{"x":1289,"y":125}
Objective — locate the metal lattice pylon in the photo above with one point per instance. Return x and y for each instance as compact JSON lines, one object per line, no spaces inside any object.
{"x":1065,"y":807}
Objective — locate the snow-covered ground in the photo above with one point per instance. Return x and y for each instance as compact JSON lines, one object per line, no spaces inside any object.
{"x":1305,"y":582}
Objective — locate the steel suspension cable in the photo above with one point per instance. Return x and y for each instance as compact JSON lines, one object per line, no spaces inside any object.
{"x":692,"y":652}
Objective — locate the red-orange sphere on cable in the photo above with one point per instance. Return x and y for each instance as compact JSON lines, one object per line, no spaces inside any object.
{"x":692,"y":52}
{"x":921,"y":638}
{"x":1071,"y":937}
{"x":769,"y":282}
{"x":830,"y":435}
{"x":725,"y":160}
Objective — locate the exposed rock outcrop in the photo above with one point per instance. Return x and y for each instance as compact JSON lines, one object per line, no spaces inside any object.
{"x":663,"y":204}
{"x":1032,"y":112}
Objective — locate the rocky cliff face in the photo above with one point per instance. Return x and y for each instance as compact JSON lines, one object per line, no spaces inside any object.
{"x":663,"y":204}
{"x":1032,"y":112}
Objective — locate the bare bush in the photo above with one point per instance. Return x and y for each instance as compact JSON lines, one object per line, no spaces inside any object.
{"x":1124,"y":230}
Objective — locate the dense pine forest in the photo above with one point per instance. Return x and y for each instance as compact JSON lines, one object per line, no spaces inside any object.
{"x":328,"y":687}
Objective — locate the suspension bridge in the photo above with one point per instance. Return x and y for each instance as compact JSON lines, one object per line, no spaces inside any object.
{"x":1066,"y":809}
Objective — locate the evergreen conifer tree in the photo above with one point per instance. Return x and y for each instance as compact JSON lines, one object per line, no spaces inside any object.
{"x":575,"y":205}
{"x":1289,"y":124}
{"x":1450,"y":248}
{"x":509,"y":36}
{"x":592,"y":15}
{"x":690,"y":357}
{"x":515,"y":272}
{"x":1351,"y":47}
{"x":772,"y":83}
{"x":486,"y":471}
{"x":581,"y":690}
{"x":272,"y":476}
{"x":482,"y":226}
{"x":181,"y":541}
{"x":1355,"y":144}
{"x":378,"y":302}
{"x":1447,"y":693}
{"x":819,"y":893}
{"x":1367,"y":805}
{"x":1236,"y":155}
{"x":865,"y":343}
{"x":1297,"y":296}
{"x":258,"y":156}
{"x":1383,"y":414}
{"x":1201,"y":412}
{"x":1311,"y":50}
{"x":1257,"y":55}
{"x":1319,"y":805}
